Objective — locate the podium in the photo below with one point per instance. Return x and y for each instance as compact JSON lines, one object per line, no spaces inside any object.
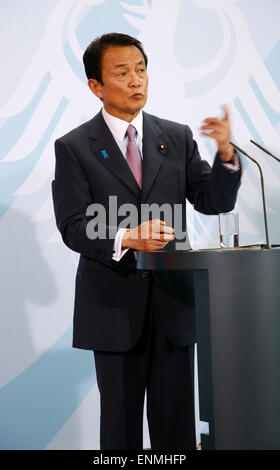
{"x":237,"y":310}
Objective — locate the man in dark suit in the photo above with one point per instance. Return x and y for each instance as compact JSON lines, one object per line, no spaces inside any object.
{"x":140,"y":325}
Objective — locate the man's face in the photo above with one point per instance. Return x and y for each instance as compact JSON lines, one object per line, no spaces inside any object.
{"x":125,"y":81}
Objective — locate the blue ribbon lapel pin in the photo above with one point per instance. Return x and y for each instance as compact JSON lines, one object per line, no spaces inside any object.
{"x":105,"y":154}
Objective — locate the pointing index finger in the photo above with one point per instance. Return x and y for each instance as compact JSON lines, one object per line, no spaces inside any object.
{"x":226,"y":113}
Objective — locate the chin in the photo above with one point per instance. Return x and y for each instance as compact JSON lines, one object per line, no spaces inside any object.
{"x":139,"y":105}
{"x":135,"y":109}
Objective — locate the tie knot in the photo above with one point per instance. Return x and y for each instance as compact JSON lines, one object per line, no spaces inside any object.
{"x":131,"y":131}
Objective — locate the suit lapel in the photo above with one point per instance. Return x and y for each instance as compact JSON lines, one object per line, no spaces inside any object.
{"x":105,"y":148}
{"x":153,"y":154}
{"x":108,"y":152}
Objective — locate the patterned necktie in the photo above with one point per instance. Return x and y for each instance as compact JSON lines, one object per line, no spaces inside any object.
{"x":133,"y":156}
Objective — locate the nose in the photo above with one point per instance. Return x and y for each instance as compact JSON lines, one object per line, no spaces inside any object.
{"x":135,"y":80}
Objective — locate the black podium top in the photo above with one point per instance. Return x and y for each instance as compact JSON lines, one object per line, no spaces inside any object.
{"x":202,"y":259}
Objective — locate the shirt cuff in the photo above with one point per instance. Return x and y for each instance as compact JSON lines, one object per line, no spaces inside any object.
{"x":234,"y":164}
{"x":118,"y":250}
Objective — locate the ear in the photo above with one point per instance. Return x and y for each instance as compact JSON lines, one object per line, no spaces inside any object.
{"x":95,"y":87}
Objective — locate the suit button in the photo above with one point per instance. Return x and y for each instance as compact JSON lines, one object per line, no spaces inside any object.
{"x":144,"y":274}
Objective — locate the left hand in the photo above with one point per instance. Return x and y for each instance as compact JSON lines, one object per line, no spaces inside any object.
{"x":219,"y":129}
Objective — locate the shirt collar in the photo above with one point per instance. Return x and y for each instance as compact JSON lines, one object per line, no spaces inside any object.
{"x":118,"y":127}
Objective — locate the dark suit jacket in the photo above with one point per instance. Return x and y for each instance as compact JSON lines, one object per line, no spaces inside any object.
{"x":111,"y":297}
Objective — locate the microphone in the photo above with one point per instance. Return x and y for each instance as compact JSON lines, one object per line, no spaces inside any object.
{"x":263,"y":195}
{"x":265,"y":150}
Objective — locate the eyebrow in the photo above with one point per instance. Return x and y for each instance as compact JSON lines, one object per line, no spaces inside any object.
{"x":124,"y":65}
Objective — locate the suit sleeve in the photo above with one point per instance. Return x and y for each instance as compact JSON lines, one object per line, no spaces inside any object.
{"x":71,"y":198}
{"x":210,"y":190}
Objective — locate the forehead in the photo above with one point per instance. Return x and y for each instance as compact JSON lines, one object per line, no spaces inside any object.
{"x":114,"y":56}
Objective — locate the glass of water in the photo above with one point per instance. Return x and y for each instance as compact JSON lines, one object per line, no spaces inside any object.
{"x":229,"y":229}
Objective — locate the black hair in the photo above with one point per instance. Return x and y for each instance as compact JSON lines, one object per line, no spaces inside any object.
{"x":92,"y":57}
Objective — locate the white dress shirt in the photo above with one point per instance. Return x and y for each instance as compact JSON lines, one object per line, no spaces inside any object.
{"x":118,"y":127}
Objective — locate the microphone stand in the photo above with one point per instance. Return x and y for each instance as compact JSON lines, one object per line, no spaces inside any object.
{"x":263,"y":195}
{"x":265,"y":150}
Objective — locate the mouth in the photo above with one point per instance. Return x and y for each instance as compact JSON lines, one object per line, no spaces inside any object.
{"x":137,"y":95}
